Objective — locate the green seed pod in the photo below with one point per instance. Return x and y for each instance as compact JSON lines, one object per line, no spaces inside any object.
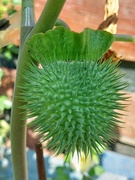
{"x":74,"y":96}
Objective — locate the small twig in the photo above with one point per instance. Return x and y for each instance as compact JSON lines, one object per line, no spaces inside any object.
{"x":40,"y":161}
{"x":60,"y":22}
{"x":124,"y":37}
{"x":110,"y":17}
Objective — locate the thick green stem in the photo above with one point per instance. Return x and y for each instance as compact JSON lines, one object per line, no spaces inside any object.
{"x":28,"y":18}
{"x":48,"y":16}
{"x":124,"y":38}
{"x":18,"y":123}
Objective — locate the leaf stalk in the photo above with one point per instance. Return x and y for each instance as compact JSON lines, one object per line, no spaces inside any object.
{"x":18,"y":124}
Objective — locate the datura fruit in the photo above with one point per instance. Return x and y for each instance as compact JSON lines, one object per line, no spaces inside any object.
{"x":73,"y":94}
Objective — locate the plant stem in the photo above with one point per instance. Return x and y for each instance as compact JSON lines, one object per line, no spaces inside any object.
{"x":60,"y":22}
{"x":124,"y":37}
{"x":18,"y":122}
{"x":48,"y":16}
{"x":18,"y":125}
{"x":28,"y":19}
{"x":40,"y":162}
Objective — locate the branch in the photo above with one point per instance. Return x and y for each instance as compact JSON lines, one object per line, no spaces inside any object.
{"x":124,"y":37}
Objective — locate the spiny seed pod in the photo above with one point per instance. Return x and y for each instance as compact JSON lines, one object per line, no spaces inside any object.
{"x":74,"y":96}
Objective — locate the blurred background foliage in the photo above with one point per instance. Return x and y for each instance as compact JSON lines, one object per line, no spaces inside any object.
{"x":8,"y":55}
{"x":7,"y":7}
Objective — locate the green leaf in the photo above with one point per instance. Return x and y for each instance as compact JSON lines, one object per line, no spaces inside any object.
{"x":13,"y":49}
{"x":63,"y":44}
{"x":96,"y":170}
{"x":8,"y":55}
{"x":1,"y":73}
{"x":62,"y":173}
{"x":5,"y":103}
{"x":4,"y":131}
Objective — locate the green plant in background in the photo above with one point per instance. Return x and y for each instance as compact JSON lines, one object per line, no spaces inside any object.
{"x":1,"y":75}
{"x":88,"y":167}
{"x":62,"y":81}
{"x":5,"y":103}
{"x":6,"y":7}
{"x":4,"y":132}
{"x":62,"y":172}
{"x":10,"y":51}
